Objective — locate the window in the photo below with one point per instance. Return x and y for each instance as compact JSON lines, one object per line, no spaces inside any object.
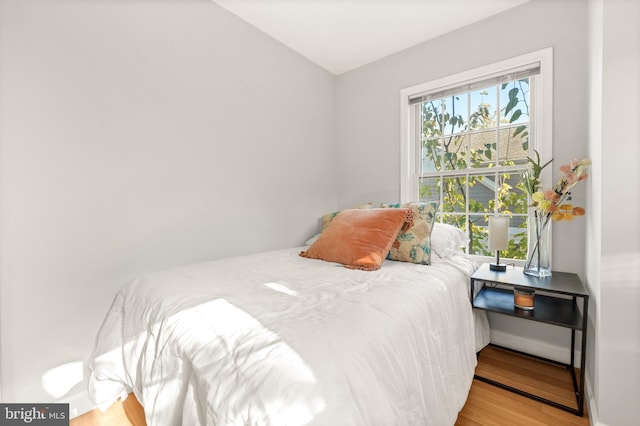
{"x":466,"y":139}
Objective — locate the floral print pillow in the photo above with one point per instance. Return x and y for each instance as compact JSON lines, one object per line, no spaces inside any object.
{"x":414,"y":244}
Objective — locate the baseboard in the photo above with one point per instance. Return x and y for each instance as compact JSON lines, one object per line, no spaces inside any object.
{"x":591,"y":406}
{"x":534,"y":347}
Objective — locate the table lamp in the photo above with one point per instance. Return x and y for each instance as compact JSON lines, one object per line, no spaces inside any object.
{"x":498,"y":239}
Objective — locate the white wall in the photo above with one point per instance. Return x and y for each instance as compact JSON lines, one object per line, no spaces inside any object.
{"x":135,"y":136}
{"x":368,"y":117}
{"x":613,"y":232}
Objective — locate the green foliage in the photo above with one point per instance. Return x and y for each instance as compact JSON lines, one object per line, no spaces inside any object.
{"x":446,"y":147}
{"x":531,"y":178}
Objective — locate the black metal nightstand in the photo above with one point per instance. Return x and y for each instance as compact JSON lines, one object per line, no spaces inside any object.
{"x":557,"y":304}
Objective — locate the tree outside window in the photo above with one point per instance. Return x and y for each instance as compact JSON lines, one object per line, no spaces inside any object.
{"x":473,"y":147}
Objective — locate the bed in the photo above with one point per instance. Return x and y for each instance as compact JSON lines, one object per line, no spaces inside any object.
{"x":279,"y":339}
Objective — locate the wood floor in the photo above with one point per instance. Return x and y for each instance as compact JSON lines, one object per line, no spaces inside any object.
{"x":122,"y":413}
{"x":490,"y":405}
{"x":486,"y":405}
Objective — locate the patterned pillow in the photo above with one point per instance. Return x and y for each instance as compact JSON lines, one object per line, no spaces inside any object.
{"x":414,"y":244}
{"x":327,"y":218}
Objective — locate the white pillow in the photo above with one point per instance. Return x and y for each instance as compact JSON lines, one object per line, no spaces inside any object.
{"x":447,"y":240}
{"x":312,"y":240}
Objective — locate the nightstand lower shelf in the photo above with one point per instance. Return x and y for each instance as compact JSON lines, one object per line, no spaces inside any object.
{"x":550,"y":310}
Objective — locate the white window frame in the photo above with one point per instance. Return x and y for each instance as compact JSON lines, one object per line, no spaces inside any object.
{"x":540,"y":127}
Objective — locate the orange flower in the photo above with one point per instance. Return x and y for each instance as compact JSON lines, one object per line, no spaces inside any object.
{"x":551,"y":195}
{"x":578,"y":211}
{"x":566,"y":207}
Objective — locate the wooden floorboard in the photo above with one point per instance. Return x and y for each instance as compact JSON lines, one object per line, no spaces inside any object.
{"x":122,"y":413}
{"x":486,"y":404}
{"x":490,"y":405}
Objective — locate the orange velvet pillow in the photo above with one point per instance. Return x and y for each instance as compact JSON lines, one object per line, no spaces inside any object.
{"x":359,"y":238}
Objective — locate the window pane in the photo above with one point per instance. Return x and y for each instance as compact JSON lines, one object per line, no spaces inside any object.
{"x":511,"y":196}
{"x":483,"y":109}
{"x":514,"y":102}
{"x":431,"y":155}
{"x":483,"y":145}
{"x":479,"y":234}
{"x":455,"y":152}
{"x":454,"y":194}
{"x":482,"y":193}
{"x":431,"y":119}
{"x":517,"y":238}
{"x":514,"y":145}
{"x":429,"y":189}
{"x":455,"y":117}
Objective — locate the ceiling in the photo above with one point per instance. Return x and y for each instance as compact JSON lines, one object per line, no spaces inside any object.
{"x":340,"y":35}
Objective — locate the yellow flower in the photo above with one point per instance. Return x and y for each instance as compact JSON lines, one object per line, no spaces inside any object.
{"x":544,"y":205}
{"x":538,"y":197}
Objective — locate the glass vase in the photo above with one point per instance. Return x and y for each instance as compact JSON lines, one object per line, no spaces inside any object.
{"x":538,"y":261}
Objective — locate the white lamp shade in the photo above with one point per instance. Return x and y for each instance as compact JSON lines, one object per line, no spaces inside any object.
{"x":498,"y":233}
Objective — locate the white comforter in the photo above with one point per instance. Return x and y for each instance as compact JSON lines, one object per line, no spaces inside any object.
{"x":276,"y":339}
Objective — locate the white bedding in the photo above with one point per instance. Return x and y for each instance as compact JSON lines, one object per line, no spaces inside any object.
{"x":276,"y":339}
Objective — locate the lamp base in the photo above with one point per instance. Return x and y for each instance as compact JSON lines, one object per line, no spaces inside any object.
{"x":500,"y":267}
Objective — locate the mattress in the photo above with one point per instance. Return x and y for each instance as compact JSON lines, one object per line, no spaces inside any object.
{"x":277,"y":339}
